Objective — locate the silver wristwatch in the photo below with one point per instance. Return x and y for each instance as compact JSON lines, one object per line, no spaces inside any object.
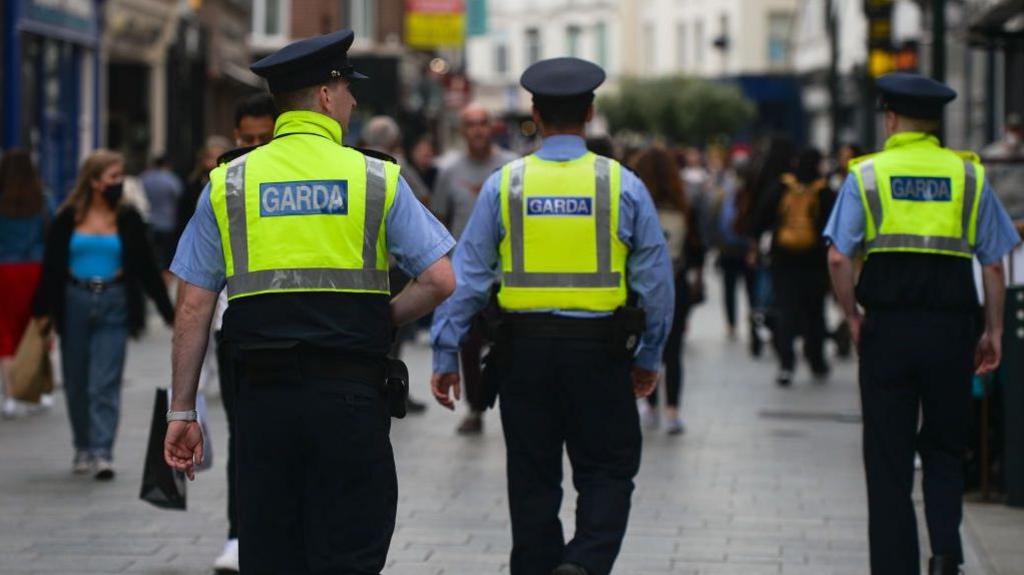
{"x":189,"y":415}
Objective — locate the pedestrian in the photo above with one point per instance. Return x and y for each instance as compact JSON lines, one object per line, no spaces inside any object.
{"x":254,"y":126}
{"x":163,"y":190}
{"x":921,"y":212}
{"x":564,"y":231}
{"x":98,"y":263}
{"x":458,"y":186}
{"x":755,"y":203}
{"x":795,"y":212}
{"x":723,"y":187}
{"x":423,"y":157}
{"x":206,"y":160}
{"x":24,"y":214}
{"x":309,"y":322}
{"x":844,"y":155}
{"x":659,"y":172}
{"x":382,"y":134}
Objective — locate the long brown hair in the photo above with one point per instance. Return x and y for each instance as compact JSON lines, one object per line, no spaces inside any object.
{"x":659,"y":171}
{"x":92,"y":169}
{"x":21,"y":190}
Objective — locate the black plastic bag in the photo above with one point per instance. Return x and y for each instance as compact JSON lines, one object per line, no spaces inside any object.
{"x":161,"y":485}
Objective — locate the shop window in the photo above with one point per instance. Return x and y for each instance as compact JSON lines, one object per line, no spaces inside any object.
{"x":779,"y":25}
{"x":572,"y":40}
{"x":270,"y":21}
{"x":601,"y":39}
{"x":533,"y":46}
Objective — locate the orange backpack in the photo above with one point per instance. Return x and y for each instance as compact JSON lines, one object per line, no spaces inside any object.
{"x":798,"y":215}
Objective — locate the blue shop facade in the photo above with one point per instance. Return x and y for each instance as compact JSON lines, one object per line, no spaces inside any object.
{"x":50,"y":84}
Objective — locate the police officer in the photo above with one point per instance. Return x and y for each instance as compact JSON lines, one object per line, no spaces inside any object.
{"x":300,"y":231}
{"x":921,"y":212}
{"x":569,"y":234}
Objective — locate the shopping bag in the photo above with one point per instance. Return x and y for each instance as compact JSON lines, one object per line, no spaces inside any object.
{"x":32,"y":372}
{"x":162,"y":486}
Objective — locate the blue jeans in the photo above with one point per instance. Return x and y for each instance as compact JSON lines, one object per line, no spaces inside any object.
{"x":92,"y":356}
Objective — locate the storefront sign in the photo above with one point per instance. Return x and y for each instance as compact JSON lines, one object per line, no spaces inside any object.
{"x":72,"y":20}
{"x":432,"y":24}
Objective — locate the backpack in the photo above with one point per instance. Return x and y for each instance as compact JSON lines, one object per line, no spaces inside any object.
{"x":798,"y":215}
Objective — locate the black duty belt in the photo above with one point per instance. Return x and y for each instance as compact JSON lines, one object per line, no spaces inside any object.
{"x":320,"y":363}
{"x":95,"y":285}
{"x":550,"y":326}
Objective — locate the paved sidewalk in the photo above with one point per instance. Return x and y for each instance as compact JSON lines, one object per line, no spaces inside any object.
{"x":766,"y":481}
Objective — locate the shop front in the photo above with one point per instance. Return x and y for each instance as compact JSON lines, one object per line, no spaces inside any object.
{"x":50,"y":90}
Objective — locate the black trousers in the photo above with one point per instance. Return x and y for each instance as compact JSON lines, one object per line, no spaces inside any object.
{"x":911,"y":363}
{"x":734,"y":269}
{"x":672,"y":355}
{"x":557,"y":392}
{"x":800,"y":301}
{"x":229,"y":397}
{"x":317,"y":489}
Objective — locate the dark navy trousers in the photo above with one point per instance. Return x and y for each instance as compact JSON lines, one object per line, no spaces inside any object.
{"x":317,"y":490}
{"x":915,"y":363}
{"x":576,"y":394}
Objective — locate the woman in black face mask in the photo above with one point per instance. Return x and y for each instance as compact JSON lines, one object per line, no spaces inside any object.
{"x":97,"y":264}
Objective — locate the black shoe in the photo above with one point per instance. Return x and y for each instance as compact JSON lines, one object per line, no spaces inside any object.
{"x":784,"y":378}
{"x":943,"y":566}
{"x":413,"y":407}
{"x":569,"y":569}
{"x":820,"y":374}
{"x":473,"y":424}
{"x":755,"y":345}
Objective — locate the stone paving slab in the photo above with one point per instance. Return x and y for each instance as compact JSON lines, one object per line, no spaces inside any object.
{"x":766,"y":480}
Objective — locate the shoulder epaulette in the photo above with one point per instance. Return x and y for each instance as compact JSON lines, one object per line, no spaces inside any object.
{"x":860,"y":159}
{"x":231,"y":155}
{"x":967,"y":155}
{"x":375,"y":154}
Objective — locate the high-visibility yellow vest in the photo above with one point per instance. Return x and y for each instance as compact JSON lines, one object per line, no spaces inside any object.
{"x":920,"y":197}
{"x":303,"y":213}
{"x":561,"y":248}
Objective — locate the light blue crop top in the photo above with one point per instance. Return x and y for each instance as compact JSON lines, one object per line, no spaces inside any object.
{"x":95,"y":256}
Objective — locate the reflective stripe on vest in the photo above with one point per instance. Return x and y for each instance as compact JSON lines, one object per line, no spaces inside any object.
{"x":911,"y":242}
{"x":604,"y":277}
{"x":243,"y":281}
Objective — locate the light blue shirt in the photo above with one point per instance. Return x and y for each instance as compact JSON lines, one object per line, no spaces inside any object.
{"x":996,"y":234}
{"x":414,"y":237}
{"x":476,"y":262}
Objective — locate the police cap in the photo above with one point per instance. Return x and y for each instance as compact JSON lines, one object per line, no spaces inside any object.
{"x":309,"y":62}
{"x":914,"y":95}
{"x":562,"y":78}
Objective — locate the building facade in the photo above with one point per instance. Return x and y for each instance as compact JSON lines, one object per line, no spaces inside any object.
{"x":50,"y":84}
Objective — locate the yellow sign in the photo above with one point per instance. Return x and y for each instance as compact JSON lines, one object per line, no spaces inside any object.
{"x":432,"y":30}
{"x":431,"y":24}
{"x":880,"y":62}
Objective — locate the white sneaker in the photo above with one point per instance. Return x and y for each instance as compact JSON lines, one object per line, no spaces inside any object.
{"x":13,"y":408}
{"x":104,"y":469}
{"x":82,"y":463}
{"x":228,"y":560}
{"x":648,"y":415}
{"x":675,"y":427}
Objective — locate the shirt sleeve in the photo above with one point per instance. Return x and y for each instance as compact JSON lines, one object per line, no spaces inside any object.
{"x":648,"y":267}
{"x":845,"y":227}
{"x":414,"y":235}
{"x":476,"y":269}
{"x":996,"y":235}
{"x":199,"y":259}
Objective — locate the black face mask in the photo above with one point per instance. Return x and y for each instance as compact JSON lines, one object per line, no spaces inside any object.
{"x":113,"y":193}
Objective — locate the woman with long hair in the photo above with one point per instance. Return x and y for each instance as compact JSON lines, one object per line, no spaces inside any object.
{"x":659,"y":172}
{"x":97,"y":265}
{"x":23,"y":216}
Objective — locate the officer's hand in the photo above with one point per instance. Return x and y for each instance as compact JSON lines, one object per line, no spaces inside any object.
{"x":441,"y":384}
{"x":183,"y":446}
{"x":644,"y":381}
{"x":855,"y":323}
{"x":988,"y":353}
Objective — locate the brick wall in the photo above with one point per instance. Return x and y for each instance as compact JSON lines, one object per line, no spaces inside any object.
{"x":314,"y":17}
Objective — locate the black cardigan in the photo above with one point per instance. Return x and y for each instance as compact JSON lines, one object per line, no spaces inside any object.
{"x":139,"y":270}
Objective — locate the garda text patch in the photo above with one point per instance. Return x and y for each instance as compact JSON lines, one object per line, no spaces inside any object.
{"x":559,"y":206}
{"x":920,"y":189}
{"x":304,"y":198}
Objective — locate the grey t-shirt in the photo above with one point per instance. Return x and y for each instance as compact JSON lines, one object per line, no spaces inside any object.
{"x":458,"y":185}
